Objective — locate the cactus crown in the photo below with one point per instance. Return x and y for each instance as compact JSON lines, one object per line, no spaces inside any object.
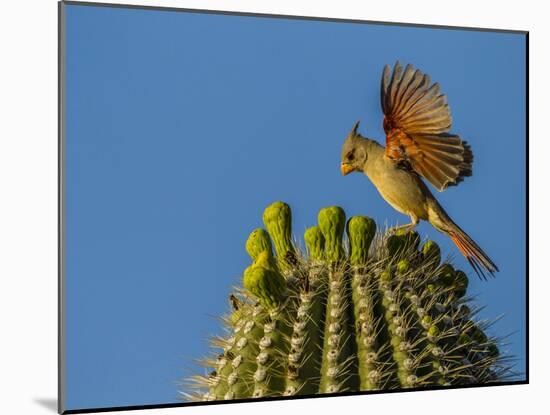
{"x":388,"y":317}
{"x":315,"y":243}
{"x":331,"y":222}
{"x":361,"y":231}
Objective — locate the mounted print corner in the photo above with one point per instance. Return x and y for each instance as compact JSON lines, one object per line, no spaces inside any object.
{"x":215,"y":245}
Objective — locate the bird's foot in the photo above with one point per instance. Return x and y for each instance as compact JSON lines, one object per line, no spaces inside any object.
{"x":405,"y":228}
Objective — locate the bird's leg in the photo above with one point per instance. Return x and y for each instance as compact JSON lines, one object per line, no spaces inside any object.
{"x":408,"y":226}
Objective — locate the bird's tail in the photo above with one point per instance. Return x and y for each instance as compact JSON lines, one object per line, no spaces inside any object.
{"x":478,"y":259}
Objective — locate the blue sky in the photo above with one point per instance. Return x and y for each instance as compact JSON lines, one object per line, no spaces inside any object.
{"x":182,"y":127}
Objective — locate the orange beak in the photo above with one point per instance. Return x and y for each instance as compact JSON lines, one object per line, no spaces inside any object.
{"x":346,"y":168}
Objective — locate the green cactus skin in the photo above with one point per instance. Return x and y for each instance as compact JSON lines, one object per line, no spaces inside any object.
{"x":400,"y":331}
{"x":382,"y":314}
{"x":338,"y":367}
{"x":339,"y":361}
{"x":368,"y":328}
{"x":277,"y":219}
{"x":303,"y":370}
{"x":370,"y":331}
{"x":270,"y":375}
{"x":229,"y":380}
{"x":244,"y":351}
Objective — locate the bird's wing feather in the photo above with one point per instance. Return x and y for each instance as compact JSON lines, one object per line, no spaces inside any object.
{"x":417,"y":121}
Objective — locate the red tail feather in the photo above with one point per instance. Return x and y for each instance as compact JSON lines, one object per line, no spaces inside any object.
{"x":478,"y":259}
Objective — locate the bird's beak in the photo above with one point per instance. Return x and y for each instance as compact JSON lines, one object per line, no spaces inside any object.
{"x":346,"y":168}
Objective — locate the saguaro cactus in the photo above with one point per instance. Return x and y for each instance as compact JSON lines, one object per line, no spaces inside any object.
{"x":382,"y":312}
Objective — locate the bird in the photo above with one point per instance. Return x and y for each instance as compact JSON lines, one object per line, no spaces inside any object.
{"x":419,"y":148}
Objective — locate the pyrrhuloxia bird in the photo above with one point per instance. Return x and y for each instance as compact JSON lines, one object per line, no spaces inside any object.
{"x":417,"y":121}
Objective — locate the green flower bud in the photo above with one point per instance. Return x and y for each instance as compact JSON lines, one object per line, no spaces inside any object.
{"x":277,"y":219}
{"x":403,"y":266}
{"x":395,"y":342}
{"x":432,"y":252}
{"x":265,"y":283}
{"x":360,"y":230}
{"x":398,"y":356}
{"x":315,"y":242}
{"x":386,"y":275}
{"x":258,"y":242}
{"x":332,"y":221}
{"x":426,"y":320}
{"x":434,"y":331}
{"x":266,"y":260}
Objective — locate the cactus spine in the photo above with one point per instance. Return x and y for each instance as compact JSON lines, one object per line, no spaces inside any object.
{"x":379,"y":313}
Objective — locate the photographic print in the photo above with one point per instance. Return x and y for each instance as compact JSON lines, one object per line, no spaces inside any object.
{"x":269,"y":207}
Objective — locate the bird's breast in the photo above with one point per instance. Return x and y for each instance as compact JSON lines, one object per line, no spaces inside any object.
{"x":399,"y":187}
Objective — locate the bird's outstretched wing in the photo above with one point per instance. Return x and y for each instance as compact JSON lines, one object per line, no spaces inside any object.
{"x":417,"y":121}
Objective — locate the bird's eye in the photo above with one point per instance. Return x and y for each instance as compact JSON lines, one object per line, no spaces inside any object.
{"x":351,"y":156}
